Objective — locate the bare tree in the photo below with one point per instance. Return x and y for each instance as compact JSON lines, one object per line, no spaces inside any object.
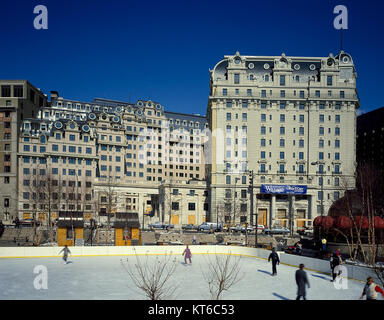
{"x":108,"y":201}
{"x":365,"y":201}
{"x":152,"y":277}
{"x":222,"y":274}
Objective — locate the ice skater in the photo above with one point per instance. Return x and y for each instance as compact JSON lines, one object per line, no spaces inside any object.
{"x":275,"y":260}
{"x":301,"y":281}
{"x":187,"y":255}
{"x":65,"y":255}
{"x":335,"y":261}
{"x":371,"y":289}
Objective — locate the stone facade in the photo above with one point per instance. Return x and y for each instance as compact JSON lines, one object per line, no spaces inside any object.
{"x":286,"y":121}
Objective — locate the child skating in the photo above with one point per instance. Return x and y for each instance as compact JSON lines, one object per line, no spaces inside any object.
{"x":65,"y":255}
{"x":187,"y":255}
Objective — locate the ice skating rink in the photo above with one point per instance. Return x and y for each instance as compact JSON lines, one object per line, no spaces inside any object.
{"x":103,"y":277}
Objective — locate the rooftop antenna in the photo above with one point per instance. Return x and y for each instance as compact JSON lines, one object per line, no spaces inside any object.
{"x":341,"y":39}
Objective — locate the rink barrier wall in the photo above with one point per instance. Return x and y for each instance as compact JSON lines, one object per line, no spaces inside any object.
{"x":311,"y":264}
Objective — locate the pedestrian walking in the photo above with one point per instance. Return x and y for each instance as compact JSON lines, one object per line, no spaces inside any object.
{"x":65,"y":255}
{"x":371,"y":289}
{"x":194,"y":240}
{"x":302,"y":282}
{"x":275,"y":260}
{"x":187,"y":255}
{"x":335,"y":261}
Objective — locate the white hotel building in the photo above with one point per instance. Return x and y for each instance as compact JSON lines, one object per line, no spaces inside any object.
{"x":292,"y":122}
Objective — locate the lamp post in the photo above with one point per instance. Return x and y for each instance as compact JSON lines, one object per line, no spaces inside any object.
{"x":322,"y":191}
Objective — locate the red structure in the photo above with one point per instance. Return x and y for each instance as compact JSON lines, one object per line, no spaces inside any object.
{"x":379,"y":223}
{"x":363,"y":221}
{"x":343,"y":222}
{"x":327,"y":222}
{"x":317,"y":221}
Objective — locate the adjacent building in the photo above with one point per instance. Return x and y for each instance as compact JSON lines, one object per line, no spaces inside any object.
{"x":104,"y":157}
{"x":18,"y":100}
{"x":370,"y":138}
{"x":282,"y":137}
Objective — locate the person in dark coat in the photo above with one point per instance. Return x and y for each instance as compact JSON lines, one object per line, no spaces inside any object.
{"x":335,"y":261}
{"x":1,"y":228}
{"x":301,"y":281}
{"x":275,"y":260}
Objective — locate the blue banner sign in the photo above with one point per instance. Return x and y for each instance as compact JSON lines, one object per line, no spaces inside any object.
{"x":283,"y":189}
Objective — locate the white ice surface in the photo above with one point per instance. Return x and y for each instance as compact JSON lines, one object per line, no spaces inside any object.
{"x":105,"y":278}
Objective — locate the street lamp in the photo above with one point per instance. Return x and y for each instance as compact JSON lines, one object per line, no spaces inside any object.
{"x":322,"y":190}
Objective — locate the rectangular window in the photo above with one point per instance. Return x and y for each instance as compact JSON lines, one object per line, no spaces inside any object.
{"x":342,"y":94}
{"x":225,"y":92}
{"x":228,"y":117}
{"x":317,"y":93}
{"x":18,"y":91}
{"x":249,"y":92}
{"x":5,"y":91}
{"x":329,"y":80}
{"x":236,"y":78}
{"x":282,"y":80}
{"x":337,"y":118}
{"x":263,"y":117}
{"x":263,"y":93}
{"x":282,"y":118}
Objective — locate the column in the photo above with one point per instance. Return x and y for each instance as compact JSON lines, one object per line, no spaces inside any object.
{"x":292,"y":211}
{"x":272,"y":213}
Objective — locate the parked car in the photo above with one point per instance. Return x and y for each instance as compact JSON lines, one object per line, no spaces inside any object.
{"x":241,"y":228}
{"x":276,"y":230}
{"x":260,"y":227}
{"x":208,"y":226}
{"x":189,"y":227}
{"x":28,"y":223}
{"x":304,"y":231}
{"x":160,"y":225}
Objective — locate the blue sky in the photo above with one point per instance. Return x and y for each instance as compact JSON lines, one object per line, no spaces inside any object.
{"x":129,"y":50}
